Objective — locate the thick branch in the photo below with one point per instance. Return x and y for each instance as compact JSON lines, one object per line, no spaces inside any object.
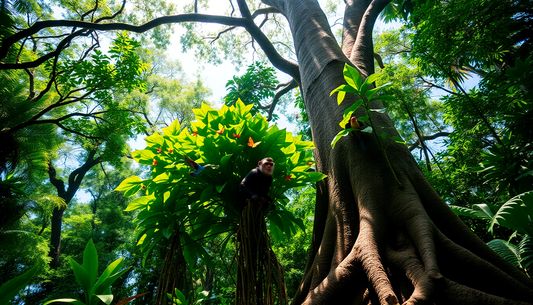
{"x":353,"y":14}
{"x":56,"y":182}
{"x":265,"y":11}
{"x":32,"y":64}
{"x":275,"y":58}
{"x":262,"y":11}
{"x":8,"y":42}
{"x":76,"y":177}
{"x":363,"y":50}
{"x":78,"y":133}
{"x":314,"y":42}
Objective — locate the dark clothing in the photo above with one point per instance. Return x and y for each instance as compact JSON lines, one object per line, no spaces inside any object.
{"x":255,"y":183}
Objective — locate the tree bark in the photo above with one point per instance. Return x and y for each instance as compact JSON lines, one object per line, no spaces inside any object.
{"x":66,"y":193}
{"x":375,"y":242}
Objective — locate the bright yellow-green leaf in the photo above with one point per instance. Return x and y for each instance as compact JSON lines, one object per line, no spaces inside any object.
{"x":173,"y":129}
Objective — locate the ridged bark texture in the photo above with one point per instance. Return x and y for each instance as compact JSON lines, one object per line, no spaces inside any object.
{"x":375,"y":242}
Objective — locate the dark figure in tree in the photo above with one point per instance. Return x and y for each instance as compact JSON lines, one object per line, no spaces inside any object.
{"x":256,"y":184}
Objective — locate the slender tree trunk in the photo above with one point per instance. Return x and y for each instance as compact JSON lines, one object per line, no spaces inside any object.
{"x":66,"y":193}
{"x":55,"y":239}
{"x":375,"y":242}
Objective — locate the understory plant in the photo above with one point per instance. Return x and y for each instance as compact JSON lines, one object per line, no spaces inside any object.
{"x":366,"y":93}
{"x":96,"y":289}
{"x":191,"y":209}
{"x":515,"y":214}
{"x":10,"y":288}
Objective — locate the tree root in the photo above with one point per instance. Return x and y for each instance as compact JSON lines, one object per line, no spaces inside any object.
{"x":397,"y":258}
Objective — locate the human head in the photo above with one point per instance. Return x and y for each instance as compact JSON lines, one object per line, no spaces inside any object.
{"x":266,"y":166}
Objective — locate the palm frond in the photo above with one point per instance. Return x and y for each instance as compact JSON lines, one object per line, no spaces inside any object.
{"x":525,"y":248}
{"x":506,"y":250}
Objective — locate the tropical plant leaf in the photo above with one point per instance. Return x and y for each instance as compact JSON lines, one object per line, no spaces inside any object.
{"x":352,"y":77}
{"x":506,"y":250}
{"x":12,"y":287}
{"x":516,"y":214}
{"x":368,"y":82}
{"x":90,"y":262}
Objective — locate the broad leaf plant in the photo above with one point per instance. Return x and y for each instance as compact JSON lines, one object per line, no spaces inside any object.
{"x":228,"y":142}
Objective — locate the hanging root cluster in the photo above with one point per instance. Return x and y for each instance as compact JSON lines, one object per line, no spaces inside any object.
{"x":260,"y":279}
{"x":174,"y":273}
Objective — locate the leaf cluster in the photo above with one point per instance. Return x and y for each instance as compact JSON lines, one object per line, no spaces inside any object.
{"x":228,"y":142}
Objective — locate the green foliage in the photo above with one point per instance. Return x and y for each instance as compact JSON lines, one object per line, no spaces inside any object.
{"x":255,"y":87}
{"x":485,"y":33}
{"x":515,"y":214}
{"x":512,"y":169}
{"x":95,"y":289}
{"x":520,"y":256}
{"x":180,"y":298}
{"x":228,"y":142}
{"x":12,"y":287}
{"x":416,"y":108}
{"x":355,"y":84}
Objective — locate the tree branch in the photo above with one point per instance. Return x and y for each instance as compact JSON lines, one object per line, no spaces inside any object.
{"x":32,"y":64}
{"x":76,"y":177}
{"x":286,"y":88}
{"x":428,"y":138}
{"x":86,"y":26}
{"x":78,"y":133}
{"x":90,"y":11}
{"x":275,"y":58}
{"x":265,"y":11}
{"x":363,"y":48}
{"x":433,"y":85}
{"x":353,"y":13}
{"x":56,"y":182}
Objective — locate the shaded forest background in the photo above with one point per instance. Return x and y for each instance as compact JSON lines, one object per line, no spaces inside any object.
{"x":68,"y":118}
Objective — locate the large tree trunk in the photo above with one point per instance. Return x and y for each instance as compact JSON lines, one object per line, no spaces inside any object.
{"x":375,"y":242}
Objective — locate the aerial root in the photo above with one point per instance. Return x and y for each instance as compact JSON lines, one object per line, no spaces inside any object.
{"x":367,"y":252}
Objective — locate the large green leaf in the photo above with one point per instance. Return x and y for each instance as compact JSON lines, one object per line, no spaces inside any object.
{"x":12,"y":287}
{"x":352,"y":77}
{"x":479,"y":211}
{"x":103,"y":282}
{"x":368,"y":82}
{"x":516,"y":214}
{"x":131,"y":186}
{"x":106,"y":298}
{"x":90,"y":262}
{"x":138,"y":203}
{"x":506,"y":250}
{"x":106,"y":284}
{"x":525,"y":249}
{"x":81,"y":275}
